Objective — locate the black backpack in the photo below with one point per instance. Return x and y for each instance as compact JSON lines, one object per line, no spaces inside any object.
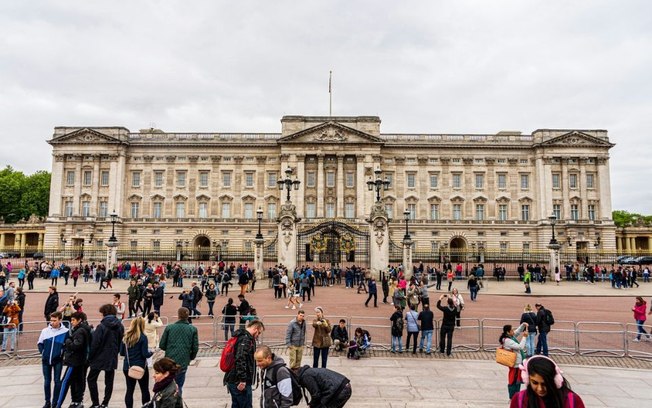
{"x":298,"y":392}
{"x":550,"y":320}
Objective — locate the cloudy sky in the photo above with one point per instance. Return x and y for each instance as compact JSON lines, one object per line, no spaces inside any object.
{"x":422,"y":66}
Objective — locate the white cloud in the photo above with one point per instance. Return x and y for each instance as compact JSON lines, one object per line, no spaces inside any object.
{"x":422,"y":66}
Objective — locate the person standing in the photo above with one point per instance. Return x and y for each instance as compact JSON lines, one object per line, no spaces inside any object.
{"x":211,"y":294}
{"x":103,"y":355}
{"x":473,"y":286}
{"x":543,"y":328}
{"x":20,"y":298}
{"x":639,"y":309}
{"x":295,"y":339}
{"x":447,"y":325}
{"x":119,"y":307}
{"x":239,"y":379}
{"x":397,"y":329}
{"x":165,"y":388}
{"x":76,"y":360}
{"x":530,"y":318}
{"x":411,"y":318}
{"x":427,"y":319}
{"x":158,"y":297}
{"x":384,"y":282}
{"x":546,"y":387}
{"x":196,"y":298}
{"x":509,"y":341}
{"x":276,"y":379}
{"x":321,"y":339}
{"x":133,"y":293}
{"x":135,"y":349}
{"x":152,"y":324}
{"x":51,"y":303}
{"x":11,"y":311}
{"x":181,"y":343}
{"x":229,"y":311}
{"x":458,"y":301}
{"x":243,"y":309}
{"x":373,"y":292}
{"x":50,"y":345}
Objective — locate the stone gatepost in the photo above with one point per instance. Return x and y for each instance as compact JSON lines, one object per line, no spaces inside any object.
{"x":407,"y":256}
{"x":554,"y":258}
{"x":258,"y":260}
{"x":379,"y":245}
{"x":287,"y":236}
{"x":111,"y":254}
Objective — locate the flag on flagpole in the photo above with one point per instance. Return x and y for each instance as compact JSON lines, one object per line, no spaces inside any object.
{"x":330,"y":78}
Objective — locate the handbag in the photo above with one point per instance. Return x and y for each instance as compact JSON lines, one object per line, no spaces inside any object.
{"x":505,"y":357}
{"x":134,"y":372}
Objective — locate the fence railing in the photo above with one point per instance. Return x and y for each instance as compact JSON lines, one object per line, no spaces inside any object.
{"x":583,"y":338}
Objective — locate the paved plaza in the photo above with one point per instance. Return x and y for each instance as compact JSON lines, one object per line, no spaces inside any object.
{"x":468,"y":379}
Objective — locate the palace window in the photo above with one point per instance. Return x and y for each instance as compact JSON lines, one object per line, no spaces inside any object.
{"x":104,"y":209}
{"x":590,"y":180}
{"x":556,"y":180}
{"x":457,"y":180}
{"x":434,"y":211}
{"x":525,"y":212}
{"x":479,"y":180}
{"x":575,"y":212}
{"x":271,"y":211}
{"x":525,"y":181}
{"x":330,"y":210}
{"x":271,"y":180}
{"x":70,"y":178}
{"x":479,"y":212}
{"x":203,"y":179}
{"x":226,"y":210}
{"x":457,"y":212}
{"x":412,"y":208}
{"x":311,"y":210}
{"x":390,"y":177}
{"x":591,"y":210}
{"x":226,"y":179}
{"x":249,"y":179}
{"x":88,"y":177}
{"x":350,"y":179}
{"x":330,"y":179}
{"x":156,"y":246}
{"x":181,"y":209}
{"x":158,"y":179}
{"x":349,"y":210}
{"x":203,"y":210}
{"x":68,"y":208}
{"x":86,"y":208}
{"x":135,"y":179}
{"x":502,"y":180}
{"x":157,"y":209}
{"x":135,"y":207}
{"x":503,"y":247}
{"x":502,"y":212}
{"x":249,"y":211}
{"x":389,"y":210}
{"x":572,"y":180}
{"x":411,"y":180}
{"x":104,"y":178}
{"x":181,"y":178}
{"x":310,"y":179}
{"x":434,"y":181}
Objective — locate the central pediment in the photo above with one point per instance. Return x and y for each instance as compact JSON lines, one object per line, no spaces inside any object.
{"x":330,"y":133}
{"x":85,"y":136}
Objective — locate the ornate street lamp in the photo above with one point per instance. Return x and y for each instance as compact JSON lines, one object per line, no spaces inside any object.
{"x":287,"y":183}
{"x":378,"y":184}
{"x":406,"y":217}
{"x":259,"y":214}
{"x":553,"y":221}
{"x":114,"y":219}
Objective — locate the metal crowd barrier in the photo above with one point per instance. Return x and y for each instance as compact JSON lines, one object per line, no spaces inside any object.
{"x":562,"y":338}
{"x":638,"y":349}
{"x":601,"y":339}
{"x":467,"y":336}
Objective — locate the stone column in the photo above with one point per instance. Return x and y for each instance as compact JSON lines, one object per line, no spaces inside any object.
{"x":287,"y":236}
{"x":360,"y":186}
{"x":554,"y":258}
{"x":407,"y":255}
{"x":565,"y":192}
{"x":2,"y":242}
{"x":320,"y":186}
{"x":301,"y":175}
{"x":111,"y":254}
{"x":604,"y":191}
{"x":626,"y":242}
{"x":379,"y":237}
{"x":96,"y":186}
{"x":76,"y":199}
{"x":56,"y":186}
{"x":258,"y":261}
{"x":41,"y":238}
{"x":340,"y":187}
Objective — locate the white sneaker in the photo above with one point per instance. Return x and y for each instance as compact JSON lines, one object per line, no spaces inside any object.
{"x":636,"y":340}
{"x":294,"y":307}
{"x":300,"y":305}
{"x":287,"y":307}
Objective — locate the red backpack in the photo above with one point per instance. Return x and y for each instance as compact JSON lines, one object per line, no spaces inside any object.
{"x":227,"y":360}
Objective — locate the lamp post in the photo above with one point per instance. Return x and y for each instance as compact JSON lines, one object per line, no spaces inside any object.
{"x":62,"y":241}
{"x":259,"y":214}
{"x":553,"y":221}
{"x":287,"y":183}
{"x":114,"y":219}
{"x":378,"y":183}
{"x":406,"y":217}
{"x":554,"y":247}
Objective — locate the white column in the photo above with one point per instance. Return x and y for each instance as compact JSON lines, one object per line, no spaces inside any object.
{"x":584,"y":209}
{"x":320,"y":186}
{"x":76,"y":203}
{"x":116,"y":186}
{"x":361,"y":187}
{"x":56,"y":185}
{"x":605,"y":189}
{"x":565,"y":190}
{"x":96,"y":186}
{"x":340,"y":186}
{"x":301,"y":193}
{"x":543,"y":181}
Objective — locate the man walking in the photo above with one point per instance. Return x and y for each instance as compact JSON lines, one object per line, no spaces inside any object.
{"x":239,"y":379}
{"x":50,"y":345}
{"x":543,"y":327}
{"x":295,"y":338}
{"x":196,"y":298}
{"x":181,"y":343}
{"x":103,"y":355}
{"x":157,"y":297}
{"x":373,"y":292}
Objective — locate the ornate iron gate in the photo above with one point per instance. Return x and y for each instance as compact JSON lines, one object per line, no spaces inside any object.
{"x":333,"y":243}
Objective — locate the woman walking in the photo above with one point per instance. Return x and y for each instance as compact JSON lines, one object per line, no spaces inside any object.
{"x":509,"y":341}
{"x":639,"y":310}
{"x":134,"y":348}
{"x":166,"y":393}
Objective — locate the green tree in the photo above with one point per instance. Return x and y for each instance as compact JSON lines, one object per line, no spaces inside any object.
{"x":23,"y":195}
{"x":626,"y":219}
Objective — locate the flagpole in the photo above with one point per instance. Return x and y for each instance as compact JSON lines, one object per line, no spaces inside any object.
{"x":330,"y":93}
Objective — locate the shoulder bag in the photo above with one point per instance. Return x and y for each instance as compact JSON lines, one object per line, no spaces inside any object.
{"x":505,"y":357}
{"x":134,"y":372}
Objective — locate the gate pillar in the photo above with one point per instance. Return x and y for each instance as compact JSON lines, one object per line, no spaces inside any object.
{"x":287,"y":234}
{"x":379,"y":245}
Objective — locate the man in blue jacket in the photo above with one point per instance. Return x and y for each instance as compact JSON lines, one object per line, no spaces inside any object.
{"x":50,"y":345}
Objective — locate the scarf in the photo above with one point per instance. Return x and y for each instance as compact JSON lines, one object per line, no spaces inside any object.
{"x":160,"y":386}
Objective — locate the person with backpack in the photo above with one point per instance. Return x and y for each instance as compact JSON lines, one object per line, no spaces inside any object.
{"x":181,"y":343}
{"x":277,"y":387}
{"x":397,"y":329}
{"x":237,"y":361}
{"x":543,"y":323}
{"x":103,"y":354}
{"x":327,"y":388}
{"x":75,"y":358}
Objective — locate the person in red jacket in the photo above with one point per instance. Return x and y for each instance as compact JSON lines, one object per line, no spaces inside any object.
{"x":546,"y":387}
{"x":639,"y":315}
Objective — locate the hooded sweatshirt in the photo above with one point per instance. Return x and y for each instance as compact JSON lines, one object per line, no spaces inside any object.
{"x":105,"y":344}
{"x":50,"y":344}
{"x":277,"y":392}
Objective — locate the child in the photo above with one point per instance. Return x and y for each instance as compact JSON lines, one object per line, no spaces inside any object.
{"x":293,"y":298}
{"x":360,"y":343}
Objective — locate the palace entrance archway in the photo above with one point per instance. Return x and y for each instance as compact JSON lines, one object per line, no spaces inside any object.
{"x":333,"y":243}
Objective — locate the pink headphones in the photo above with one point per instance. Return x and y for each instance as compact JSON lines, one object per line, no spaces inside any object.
{"x":525,"y":376}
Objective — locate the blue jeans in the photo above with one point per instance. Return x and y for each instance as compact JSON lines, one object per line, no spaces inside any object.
{"x":639,"y":325}
{"x":427,"y":335}
{"x":180,"y":379}
{"x":474,"y":292}
{"x":316,"y":352}
{"x":396,"y":340}
{"x":47,"y":381}
{"x":529,"y":343}
{"x":9,"y":334}
{"x":228,"y":327}
{"x":542,"y":343}
{"x":240,"y":399}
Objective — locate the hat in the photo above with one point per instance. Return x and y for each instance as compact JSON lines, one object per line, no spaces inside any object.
{"x":319,"y":309}
{"x":538,"y":305}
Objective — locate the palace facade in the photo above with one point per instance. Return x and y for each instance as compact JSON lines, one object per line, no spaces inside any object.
{"x":199,"y":193}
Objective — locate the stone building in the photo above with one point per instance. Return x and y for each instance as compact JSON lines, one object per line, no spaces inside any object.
{"x":199,"y":193}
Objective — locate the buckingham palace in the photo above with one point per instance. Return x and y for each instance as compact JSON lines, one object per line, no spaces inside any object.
{"x":344,"y":187}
